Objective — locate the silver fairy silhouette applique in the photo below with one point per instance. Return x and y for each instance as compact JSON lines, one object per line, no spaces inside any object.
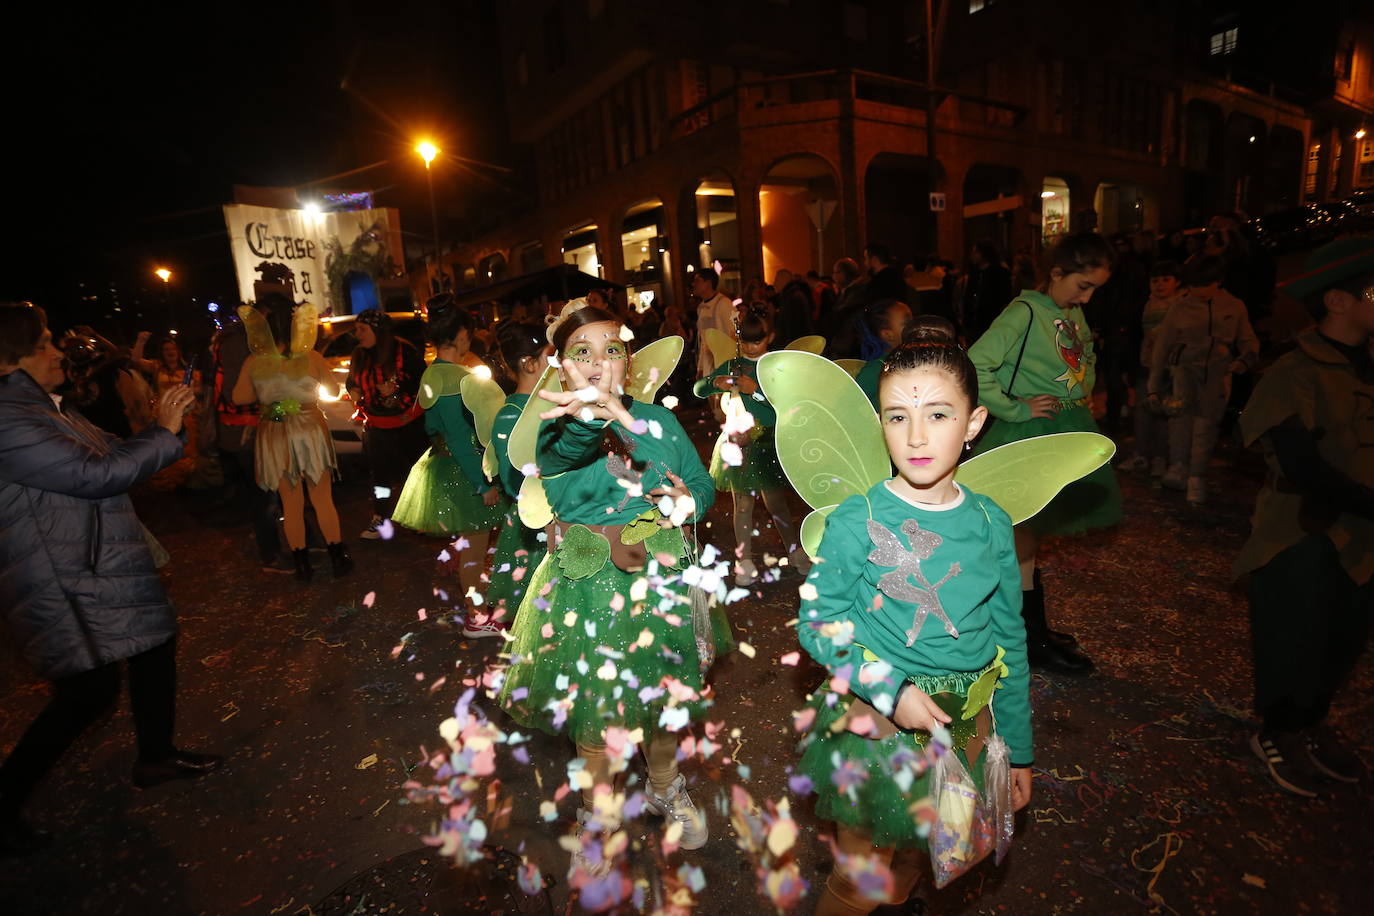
{"x":888,"y":551}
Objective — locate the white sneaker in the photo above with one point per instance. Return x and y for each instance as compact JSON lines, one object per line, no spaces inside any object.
{"x":677,"y":805}
{"x":485,"y":629}
{"x":373,"y":531}
{"x":592,"y":868}
{"x":1158,"y":467}
{"x":800,"y":561}
{"x":1134,"y":463}
{"x":1175,"y":478}
{"x":746,"y":573}
{"x":1197,"y":491}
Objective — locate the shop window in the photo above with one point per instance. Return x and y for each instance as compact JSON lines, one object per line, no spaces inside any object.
{"x":1366,"y":162}
{"x":977,"y":6}
{"x":1224,"y":42}
{"x":1054,"y":208}
{"x":579,"y":250}
{"x":1314,"y":156}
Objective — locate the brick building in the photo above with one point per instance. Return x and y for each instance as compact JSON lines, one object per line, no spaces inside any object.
{"x":765,"y":134}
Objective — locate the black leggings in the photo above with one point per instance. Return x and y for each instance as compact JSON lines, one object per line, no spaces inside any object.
{"x":81,"y":699}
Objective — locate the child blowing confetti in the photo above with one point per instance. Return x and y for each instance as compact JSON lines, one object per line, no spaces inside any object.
{"x":607,"y":646}
{"x":914,"y":606}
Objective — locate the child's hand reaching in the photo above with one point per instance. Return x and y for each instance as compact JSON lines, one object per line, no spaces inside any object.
{"x":915,"y":709}
{"x":1020,"y":787}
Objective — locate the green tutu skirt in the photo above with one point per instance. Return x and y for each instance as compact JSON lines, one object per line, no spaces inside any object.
{"x":519,"y":551}
{"x":439,"y":499}
{"x":1084,"y":505}
{"x":757,"y":473}
{"x":859,"y":781}
{"x":594,"y":651}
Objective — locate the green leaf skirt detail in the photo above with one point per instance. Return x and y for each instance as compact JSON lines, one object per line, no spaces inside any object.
{"x":519,"y":550}
{"x":439,"y":499}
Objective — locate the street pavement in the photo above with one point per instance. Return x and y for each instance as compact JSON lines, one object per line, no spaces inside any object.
{"x":1146,"y":798}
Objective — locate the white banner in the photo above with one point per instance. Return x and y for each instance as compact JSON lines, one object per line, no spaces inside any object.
{"x":319,"y":257}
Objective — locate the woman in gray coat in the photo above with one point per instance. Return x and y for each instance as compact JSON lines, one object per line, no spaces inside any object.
{"x":78,"y":589}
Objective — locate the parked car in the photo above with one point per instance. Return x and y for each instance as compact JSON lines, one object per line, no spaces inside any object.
{"x":336,"y":344}
{"x":1295,"y":229}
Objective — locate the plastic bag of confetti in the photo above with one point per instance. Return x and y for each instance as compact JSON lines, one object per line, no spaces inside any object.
{"x":997,"y":793}
{"x":962,"y":835}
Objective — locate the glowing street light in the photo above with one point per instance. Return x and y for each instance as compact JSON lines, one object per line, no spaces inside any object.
{"x":1359,"y":134}
{"x":163,"y":274}
{"x":428,"y":152}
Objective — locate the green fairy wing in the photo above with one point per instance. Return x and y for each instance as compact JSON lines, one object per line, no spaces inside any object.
{"x":651,"y":367}
{"x":813,"y":528}
{"x":439,"y":381}
{"x":305,"y":328}
{"x":533,"y":502}
{"x":721,"y":345}
{"x":260,"y":342}
{"x":828,"y":437}
{"x":483,"y":398}
{"x":812,"y":343}
{"x":852,"y":366}
{"x":1023,"y":476}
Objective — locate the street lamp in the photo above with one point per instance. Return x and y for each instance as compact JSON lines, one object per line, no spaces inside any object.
{"x":165,"y":276}
{"x":428,"y":152}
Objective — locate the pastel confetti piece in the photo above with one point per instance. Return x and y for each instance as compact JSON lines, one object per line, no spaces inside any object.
{"x":369,"y":761}
{"x":746,"y":650}
{"x":369,"y":598}
{"x":381,"y":492}
{"x":791,"y":658}
{"x":670,"y":401}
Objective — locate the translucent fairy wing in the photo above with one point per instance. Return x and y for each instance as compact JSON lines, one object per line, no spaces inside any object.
{"x":852,"y":366}
{"x":533,"y":504}
{"x":651,"y":367}
{"x":813,"y":529}
{"x":483,"y":398}
{"x":828,"y":437}
{"x":440,"y":381}
{"x":260,"y":342}
{"x":1023,"y":476}
{"x":812,"y":343}
{"x":524,"y":435}
{"x":721,"y":345}
{"x":305,"y":328}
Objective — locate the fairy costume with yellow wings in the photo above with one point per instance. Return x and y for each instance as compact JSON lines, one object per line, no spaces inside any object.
{"x":608,"y":632}
{"x":293,"y":440}
{"x":443,"y":493}
{"x":908,"y":593}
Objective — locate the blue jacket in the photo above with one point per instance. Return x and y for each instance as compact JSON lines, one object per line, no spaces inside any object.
{"x":78,"y":588}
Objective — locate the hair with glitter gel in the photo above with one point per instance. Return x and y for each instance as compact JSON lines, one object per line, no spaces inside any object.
{"x":931,"y":344}
{"x":579,"y":319}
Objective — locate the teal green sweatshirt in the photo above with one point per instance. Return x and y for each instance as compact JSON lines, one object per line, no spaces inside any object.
{"x":578,"y":479}
{"x":981,"y":597}
{"x":869,"y":377}
{"x":1058,"y":360}
{"x":756,"y":403}
{"x":450,"y":419}
{"x":511,"y":477}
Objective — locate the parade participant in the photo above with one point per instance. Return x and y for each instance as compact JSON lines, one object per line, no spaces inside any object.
{"x":447,"y":492}
{"x":1205,"y":338}
{"x":607,"y":608}
{"x":519,"y":548}
{"x":293,"y":451}
{"x":383,"y":380}
{"x":714,"y":310}
{"x":881,"y":328}
{"x":171,"y":368}
{"x":1035,"y":376}
{"x":756,"y":471}
{"x":79,"y":591}
{"x":921,"y":657}
{"x":1310,"y":555}
{"x":1151,"y":428}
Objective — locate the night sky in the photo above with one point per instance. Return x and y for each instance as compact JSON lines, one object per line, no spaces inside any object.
{"x":135,"y":125}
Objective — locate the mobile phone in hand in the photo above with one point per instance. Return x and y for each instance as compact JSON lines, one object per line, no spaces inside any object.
{"x":190,"y":372}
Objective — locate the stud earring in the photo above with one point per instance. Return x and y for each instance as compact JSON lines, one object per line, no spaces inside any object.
{"x":968,"y":446}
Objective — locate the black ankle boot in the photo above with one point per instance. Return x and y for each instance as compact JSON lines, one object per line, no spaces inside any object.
{"x":1037,"y":595}
{"x":339,"y":559}
{"x":1043,"y":650}
{"x":303,"y":568}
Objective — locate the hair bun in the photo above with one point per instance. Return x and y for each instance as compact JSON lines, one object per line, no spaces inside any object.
{"x":931,"y":329}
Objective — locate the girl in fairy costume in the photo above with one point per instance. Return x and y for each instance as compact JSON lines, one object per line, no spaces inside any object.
{"x":913,"y":606}
{"x":608,"y":635}
{"x":757,"y":470}
{"x":447,"y":492}
{"x":919,"y":644}
{"x":1035,"y":376}
{"x":293,"y":452}
{"x":519,"y":548}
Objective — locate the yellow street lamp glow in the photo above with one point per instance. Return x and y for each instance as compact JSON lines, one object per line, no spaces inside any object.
{"x":163,"y":274}
{"x":427,"y":151}
{"x":1359,"y":134}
